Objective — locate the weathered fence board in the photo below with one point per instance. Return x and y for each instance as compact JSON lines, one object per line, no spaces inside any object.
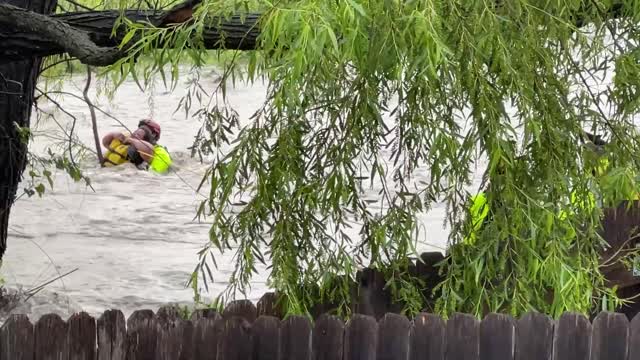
{"x":81,"y":337}
{"x":572,"y":337}
{"x":361,"y":337}
{"x":393,"y":337}
{"x":207,"y":330}
{"x":210,"y":335}
{"x":497,"y":337}
{"x":235,"y":342}
{"x":242,"y":308}
{"x":50,"y":343}
{"x":112,"y":336}
{"x":534,"y":337}
{"x":267,"y":305}
{"x":610,"y":336}
{"x":295,"y":338}
{"x":462,"y":334}
{"x":266,"y":338}
{"x":427,"y":337}
{"x":16,"y":339}
{"x":170,"y":330}
{"x":141,"y":335}
{"x":328,"y":338}
{"x":634,"y":339}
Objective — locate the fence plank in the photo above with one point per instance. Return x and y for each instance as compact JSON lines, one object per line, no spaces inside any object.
{"x":170,"y":334}
{"x":634,"y":338}
{"x":534,"y":337}
{"x":16,"y":339}
{"x":235,"y":337}
{"x":463,"y":337}
{"x":266,"y":338}
{"x":609,"y":338}
{"x":242,"y":308}
{"x":187,"y":340}
{"x":112,"y":336}
{"x":361,"y":338}
{"x":295,"y":338}
{"x":497,"y":337}
{"x":572,"y":337}
{"x":267,"y":305}
{"x":50,"y":338}
{"x":207,"y":329}
{"x":427,"y":337}
{"x":141,"y":335}
{"x":393,"y":337}
{"x":81,"y":336}
{"x":328,"y":338}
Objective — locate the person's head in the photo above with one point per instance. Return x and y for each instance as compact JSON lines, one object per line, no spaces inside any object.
{"x":148,"y":130}
{"x":595,"y":146}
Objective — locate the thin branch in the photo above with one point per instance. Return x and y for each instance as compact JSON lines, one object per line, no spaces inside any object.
{"x":80,"y":5}
{"x":80,"y":98}
{"x":56,"y":63}
{"x":73,"y":124}
{"x":94,"y":123}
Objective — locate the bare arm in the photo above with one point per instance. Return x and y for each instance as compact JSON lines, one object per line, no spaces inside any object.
{"x":144,"y":148}
{"x":107,"y":139}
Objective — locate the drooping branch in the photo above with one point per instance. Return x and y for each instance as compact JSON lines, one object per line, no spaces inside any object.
{"x":239,"y":33}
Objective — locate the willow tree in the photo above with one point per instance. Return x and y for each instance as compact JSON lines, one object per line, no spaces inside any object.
{"x":383,"y":92}
{"x":375,"y":91}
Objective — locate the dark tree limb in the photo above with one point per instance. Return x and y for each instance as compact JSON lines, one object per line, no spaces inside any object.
{"x":70,"y":40}
{"x":233,"y":33}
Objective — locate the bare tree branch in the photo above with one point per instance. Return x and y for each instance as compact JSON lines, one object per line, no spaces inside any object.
{"x":94,"y":122}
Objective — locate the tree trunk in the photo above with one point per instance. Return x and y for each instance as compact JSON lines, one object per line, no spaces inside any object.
{"x":17,"y":85}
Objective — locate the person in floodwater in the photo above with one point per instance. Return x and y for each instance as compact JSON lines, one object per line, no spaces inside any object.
{"x":139,"y":148}
{"x":479,"y":209}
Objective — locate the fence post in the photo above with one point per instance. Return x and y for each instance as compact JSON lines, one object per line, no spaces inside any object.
{"x":497,"y":337}
{"x":572,"y":337}
{"x":534,"y":337}
{"x":266,"y":338}
{"x":463,"y":337}
{"x":170,"y":334}
{"x":141,"y":335}
{"x":81,"y":337}
{"x":361,"y":338}
{"x":207,"y":329}
{"x":634,"y":338}
{"x":610,"y":337}
{"x":393,"y":337}
{"x":328,"y":338}
{"x":235,"y":343}
{"x":295,"y":338}
{"x":16,"y":339}
{"x":268,"y":305}
{"x":50,"y":335}
{"x":112,"y":336}
{"x":427,"y":337}
{"x":242,"y":308}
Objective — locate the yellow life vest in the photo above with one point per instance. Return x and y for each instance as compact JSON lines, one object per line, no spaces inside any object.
{"x":161,"y":159}
{"x":479,"y":211}
{"x":117,"y":153}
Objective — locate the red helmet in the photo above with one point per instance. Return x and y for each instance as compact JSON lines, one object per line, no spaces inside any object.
{"x":154,"y":126}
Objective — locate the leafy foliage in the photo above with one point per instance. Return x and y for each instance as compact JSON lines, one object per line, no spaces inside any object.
{"x":378,"y":92}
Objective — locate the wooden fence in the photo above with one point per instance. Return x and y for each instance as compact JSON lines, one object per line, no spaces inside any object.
{"x":244,"y":332}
